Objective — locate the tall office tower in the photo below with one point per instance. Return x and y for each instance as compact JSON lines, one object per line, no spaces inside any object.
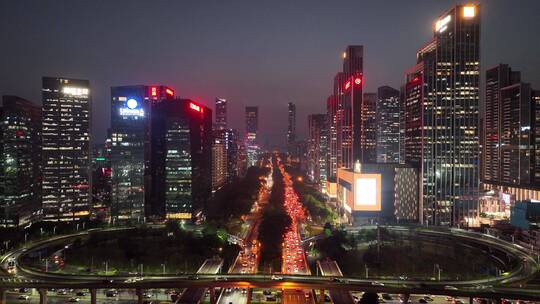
{"x":291,"y":127}
{"x":388,"y":125}
{"x":511,"y":117}
{"x":221,"y":113}
{"x":318,"y":149}
{"x":242,"y":159}
{"x":331,"y":113}
{"x":368,"y":135}
{"x":219,"y":160}
{"x":101,"y":180}
{"x":231,"y":140}
{"x":441,"y":123}
{"x":252,"y":128}
{"x":497,"y":78}
{"x":352,"y":134}
{"x":180,"y":167}
{"x":66,"y":149}
{"x":20,"y":162}
{"x":131,"y":112}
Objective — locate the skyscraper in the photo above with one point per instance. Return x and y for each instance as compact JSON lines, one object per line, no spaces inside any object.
{"x":179,"y":174}
{"x":511,"y":124}
{"x":20,"y":162}
{"x":388,"y":125}
{"x":318,"y":149}
{"x":352,"y":133}
{"x":252,"y":128}
{"x":219,"y":160}
{"x":131,"y":110}
{"x":231,"y":140}
{"x":497,"y":78}
{"x":441,"y":123}
{"x":291,"y":127}
{"x":368,"y":130}
{"x":221,"y":113}
{"x":66,"y":149}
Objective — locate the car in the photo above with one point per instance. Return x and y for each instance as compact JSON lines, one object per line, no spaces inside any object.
{"x":221,"y":279}
{"x":422,"y":301}
{"x":74,"y":299}
{"x":81,"y":293}
{"x":23,"y":297}
{"x":375,"y":283}
{"x":428,"y":298}
{"x":450,"y":287}
{"x":450,"y":299}
{"x":276,"y":278}
{"x":267,"y":292}
{"x":386,"y":296}
{"x":147,"y":295}
{"x":107,"y":281}
{"x":458,"y":301}
{"x":24,"y":290}
{"x":61,"y":292}
{"x":193,"y":277}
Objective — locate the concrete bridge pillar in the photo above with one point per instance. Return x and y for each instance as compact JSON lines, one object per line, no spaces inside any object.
{"x":248,"y":295}
{"x":139,"y":293}
{"x":2,"y":296}
{"x":42,"y":296}
{"x":212,"y":295}
{"x":93,"y":296}
{"x":321,"y":296}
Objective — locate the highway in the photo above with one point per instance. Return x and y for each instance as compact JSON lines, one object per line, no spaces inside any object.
{"x":293,"y":258}
{"x":195,"y":294}
{"x":330,"y":268}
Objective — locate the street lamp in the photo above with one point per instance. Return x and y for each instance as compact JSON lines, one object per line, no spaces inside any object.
{"x":25,"y":237}
{"x":163,"y":265}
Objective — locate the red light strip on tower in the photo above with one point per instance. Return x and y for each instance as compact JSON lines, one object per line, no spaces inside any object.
{"x":169,"y":92}
{"x":195,"y":107}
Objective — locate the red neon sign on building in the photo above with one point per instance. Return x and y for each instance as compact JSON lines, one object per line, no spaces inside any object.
{"x":153,"y":91}
{"x":195,"y":107}
{"x":169,"y":92}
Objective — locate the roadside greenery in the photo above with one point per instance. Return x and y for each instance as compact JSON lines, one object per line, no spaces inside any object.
{"x":399,"y":255}
{"x":171,"y":250}
{"x":236,"y":198}
{"x":313,"y":200}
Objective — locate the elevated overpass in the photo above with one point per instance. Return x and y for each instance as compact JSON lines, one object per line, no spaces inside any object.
{"x":330,"y":268}
{"x":193,"y":295}
{"x":509,"y":286}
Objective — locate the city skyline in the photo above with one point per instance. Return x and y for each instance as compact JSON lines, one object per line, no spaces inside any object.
{"x":258,"y":86}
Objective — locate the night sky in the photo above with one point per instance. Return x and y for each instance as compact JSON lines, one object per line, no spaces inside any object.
{"x":263,"y":53}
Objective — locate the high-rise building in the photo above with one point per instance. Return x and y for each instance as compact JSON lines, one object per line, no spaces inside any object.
{"x":388,"y":125}
{"x":511,"y":122}
{"x":20,"y":162}
{"x":231,"y":140}
{"x":66,"y":121}
{"x":318,"y":149}
{"x":368,"y":130}
{"x":441,"y":123}
{"x":291,"y":127}
{"x":252,"y":128}
{"x":221,"y":114}
{"x":131,"y":113}
{"x":352,"y":132}
{"x":219,"y":161}
{"x":101,"y":181}
{"x":180,"y":173}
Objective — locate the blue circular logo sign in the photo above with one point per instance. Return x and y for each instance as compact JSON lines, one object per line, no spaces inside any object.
{"x":132,"y":103}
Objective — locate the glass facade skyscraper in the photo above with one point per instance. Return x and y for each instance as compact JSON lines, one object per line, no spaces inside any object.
{"x":20,"y":162}
{"x":441,"y":123}
{"x":66,"y":149}
{"x":388,"y":125}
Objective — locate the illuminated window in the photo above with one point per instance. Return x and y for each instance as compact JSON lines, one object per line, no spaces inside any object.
{"x":469,"y":11}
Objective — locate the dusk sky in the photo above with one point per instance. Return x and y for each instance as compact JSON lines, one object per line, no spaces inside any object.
{"x":262,"y":53}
